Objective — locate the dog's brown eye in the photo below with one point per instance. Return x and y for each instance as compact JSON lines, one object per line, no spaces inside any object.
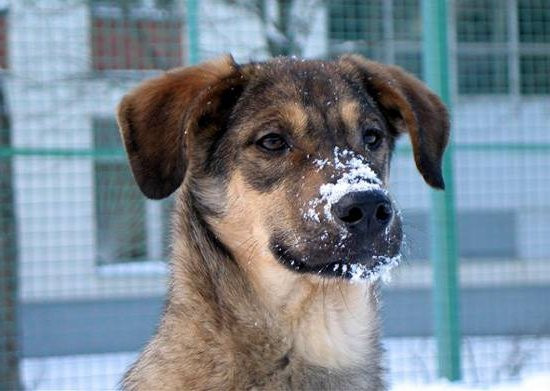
{"x":372,"y":139}
{"x":273,"y":142}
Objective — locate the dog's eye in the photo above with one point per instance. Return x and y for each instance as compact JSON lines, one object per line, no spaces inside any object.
{"x":272,"y":142}
{"x":372,"y":139}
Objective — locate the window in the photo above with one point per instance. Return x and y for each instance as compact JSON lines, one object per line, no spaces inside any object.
{"x":534,"y":38}
{"x":129,"y":35}
{"x":385,"y":30}
{"x":129,"y":227}
{"x":357,"y":24}
{"x":502,"y":46}
{"x":483,"y":47}
{"x":120,"y":208}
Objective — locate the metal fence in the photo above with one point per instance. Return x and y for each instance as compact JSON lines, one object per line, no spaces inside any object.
{"x":82,"y":253}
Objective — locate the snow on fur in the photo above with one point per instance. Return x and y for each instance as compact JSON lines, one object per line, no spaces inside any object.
{"x":360,"y":272}
{"x":356,"y":175}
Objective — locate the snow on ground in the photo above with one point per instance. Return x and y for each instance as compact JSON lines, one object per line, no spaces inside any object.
{"x":486,"y":361}
{"x":83,"y":372}
{"x":540,"y":382}
{"x":489,"y":363}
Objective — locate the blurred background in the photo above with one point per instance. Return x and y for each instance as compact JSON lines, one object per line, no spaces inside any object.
{"x":83,"y":254}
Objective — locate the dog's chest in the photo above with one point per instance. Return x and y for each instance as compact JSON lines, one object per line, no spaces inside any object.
{"x":300,"y":375}
{"x":338,"y":330}
{"x":332,"y":342}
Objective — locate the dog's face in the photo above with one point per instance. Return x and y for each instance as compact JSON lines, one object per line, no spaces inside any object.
{"x":287,"y":161}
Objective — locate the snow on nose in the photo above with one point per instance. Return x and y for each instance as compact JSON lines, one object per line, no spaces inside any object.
{"x":355,"y":175}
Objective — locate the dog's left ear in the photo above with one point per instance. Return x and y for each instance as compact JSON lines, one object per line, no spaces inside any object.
{"x":410,"y":107}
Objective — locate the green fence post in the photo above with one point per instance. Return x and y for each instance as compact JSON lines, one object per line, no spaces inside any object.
{"x":192,"y":19}
{"x":443,"y":226}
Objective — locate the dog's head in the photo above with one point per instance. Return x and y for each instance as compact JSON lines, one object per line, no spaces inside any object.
{"x":287,"y":161}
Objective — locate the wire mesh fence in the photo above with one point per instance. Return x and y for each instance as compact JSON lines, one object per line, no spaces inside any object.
{"x":83,"y":254}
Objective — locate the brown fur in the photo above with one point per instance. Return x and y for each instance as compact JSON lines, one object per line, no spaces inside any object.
{"x":420,"y":112}
{"x":237,"y":316}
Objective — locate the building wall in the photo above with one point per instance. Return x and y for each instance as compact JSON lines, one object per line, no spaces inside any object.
{"x":53,"y":97}
{"x":54,"y":94}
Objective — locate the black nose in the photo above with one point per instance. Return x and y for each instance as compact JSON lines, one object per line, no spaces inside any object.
{"x":366,"y":211}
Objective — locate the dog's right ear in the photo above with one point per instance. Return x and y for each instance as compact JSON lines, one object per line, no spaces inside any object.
{"x":155,"y":118}
{"x":410,"y":107}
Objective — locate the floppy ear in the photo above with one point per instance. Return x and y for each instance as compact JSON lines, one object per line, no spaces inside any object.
{"x":410,"y":107}
{"x":155,"y":118}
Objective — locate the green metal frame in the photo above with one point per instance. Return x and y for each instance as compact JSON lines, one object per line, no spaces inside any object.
{"x":444,"y":246}
{"x":192,"y":16}
{"x":401,"y":150}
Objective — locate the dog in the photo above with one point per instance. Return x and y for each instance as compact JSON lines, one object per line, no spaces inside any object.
{"x":282,"y":222}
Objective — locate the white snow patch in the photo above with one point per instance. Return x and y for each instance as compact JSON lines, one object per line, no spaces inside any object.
{"x":88,"y":372}
{"x":312,"y":215}
{"x":320,"y":163}
{"x":356,"y":175}
{"x":496,"y":362}
{"x":539,"y":382}
{"x":360,"y":272}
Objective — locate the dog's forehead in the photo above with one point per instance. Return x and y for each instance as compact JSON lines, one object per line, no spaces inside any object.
{"x":310,"y":82}
{"x":326,"y":96}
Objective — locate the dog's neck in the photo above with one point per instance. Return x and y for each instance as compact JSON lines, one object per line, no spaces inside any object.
{"x":230,"y":327}
{"x":328,"y":323}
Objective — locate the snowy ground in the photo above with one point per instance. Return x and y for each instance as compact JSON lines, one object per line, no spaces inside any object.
{"x":495,"y":363}
{"x":540,"y":382}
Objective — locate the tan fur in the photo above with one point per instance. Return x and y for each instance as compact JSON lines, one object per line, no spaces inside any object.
{"x":293,"y":114}
{"x":350,"y":113}
{"x":237,"y":317}
{"x":278,"y":314}
{"x":330,"y":325}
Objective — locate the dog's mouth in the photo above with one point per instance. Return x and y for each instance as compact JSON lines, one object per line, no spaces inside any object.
{"x":352,"y":263}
